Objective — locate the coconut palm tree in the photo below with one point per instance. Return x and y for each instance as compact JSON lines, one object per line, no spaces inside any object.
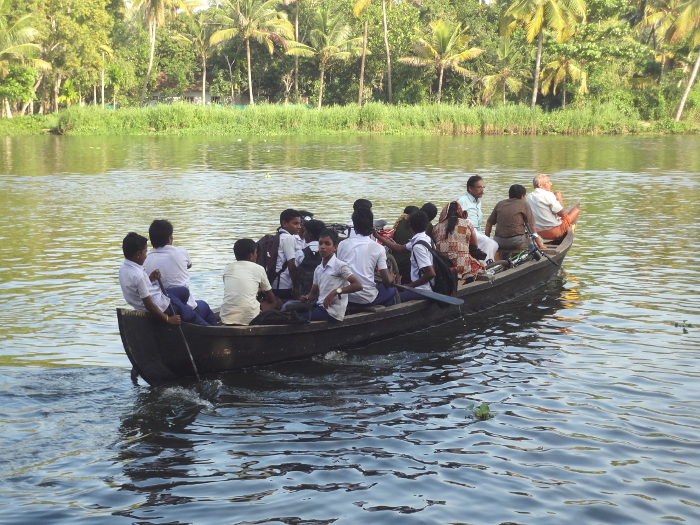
{"x":559,"y":16}
{"x":155,"y":14}
{"x":17,"y":45}
{"x":444,"y":47}
{"x":254,"y":19}
{"x":201,"y":29}
{"x":357,"y":9}
{"x":507,"y":76}
{"x":659,"y":16}
{"x":330,"y":39}
{"x":687,"y":24}
{"x":557,"y":72}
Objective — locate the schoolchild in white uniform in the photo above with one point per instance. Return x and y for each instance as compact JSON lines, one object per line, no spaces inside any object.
{"x":422,"y":271}
{"x":243,"y":280}
{"x":173,"y":263}
{"x":364,"y":255}
{"x":333,"y":280}
{"x":290,"y":226}
{"x":358,"y":204}
{"x":141,"y":290}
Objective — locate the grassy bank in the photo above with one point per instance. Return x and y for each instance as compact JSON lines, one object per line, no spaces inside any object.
{"x":186,"y":119}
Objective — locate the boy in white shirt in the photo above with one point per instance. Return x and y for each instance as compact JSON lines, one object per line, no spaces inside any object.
{"x":422,"y":271}
{"x":333,"y":280}
{"x":142,"y":290}
{"x":290,"y":226}
{"x":243,"y":280}
{"x":173,"y":263}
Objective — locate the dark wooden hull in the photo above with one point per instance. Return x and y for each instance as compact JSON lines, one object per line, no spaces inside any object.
{"x":159,"y":353}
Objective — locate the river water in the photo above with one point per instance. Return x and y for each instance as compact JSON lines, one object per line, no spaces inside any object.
{"x":594,"y":382}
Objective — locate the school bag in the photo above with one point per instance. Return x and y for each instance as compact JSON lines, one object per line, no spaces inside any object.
{"x":445,"y":281}
{"x":267,"y":248}
{"x":305,"y":272}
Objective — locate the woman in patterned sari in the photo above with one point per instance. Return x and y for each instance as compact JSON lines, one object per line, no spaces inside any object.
{"x":453,"y":234}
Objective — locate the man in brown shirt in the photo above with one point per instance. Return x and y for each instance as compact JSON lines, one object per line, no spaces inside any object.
{"x":510,"y":217}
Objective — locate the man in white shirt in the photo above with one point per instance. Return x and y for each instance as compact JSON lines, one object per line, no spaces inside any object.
{"x":471,"y":203}
{"x":173,"y":263}
{"x":548,"y":209}
{"x":243,"y":280}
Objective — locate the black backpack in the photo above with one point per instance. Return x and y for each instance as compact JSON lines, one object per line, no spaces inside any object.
{"x":445,"y":281}
{"x":305,"y":272}
{"x":267,"y":248}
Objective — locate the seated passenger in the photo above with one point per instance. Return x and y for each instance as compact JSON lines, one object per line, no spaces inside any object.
{"x":510,"y":217}
{"x":358,"y":204}
{"x":431,"y":211}
{"x":364,"y":256}
{"x":548,"y":209}
{"x":142,"y":290}
{"x":308,"y":258}
{"x":333,"y":280}
{"x":422,"y":271}
{"x":243,"y":280}
{"x":402,"y":234}
{"x":453,"y":235}
{"x":173,"y":263}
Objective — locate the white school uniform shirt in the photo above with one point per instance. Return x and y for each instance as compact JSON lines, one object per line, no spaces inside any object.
{"x":242,"y":282}
{"x":287,"y":249}
{"x":363,"y":255}
{"x":172,"y":261}
{"x":420,"y":257}
{"x":544,"y":206}
{"x":330,"y":277}
{"x":136,"y":286}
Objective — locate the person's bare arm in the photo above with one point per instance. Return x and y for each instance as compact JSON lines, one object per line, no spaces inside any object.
{"x":487,"y":229}
{"x":354,"y":286}
{"x":386,"y":278}
{"x":428,"y":274}
{"x":155,"y":311}
{"x":393,"y":246}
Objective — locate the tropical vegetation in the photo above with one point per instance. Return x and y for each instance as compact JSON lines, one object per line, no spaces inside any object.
{"x":641,"y":58}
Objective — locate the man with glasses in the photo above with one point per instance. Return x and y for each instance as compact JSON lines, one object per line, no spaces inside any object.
{"x":471,"y":203}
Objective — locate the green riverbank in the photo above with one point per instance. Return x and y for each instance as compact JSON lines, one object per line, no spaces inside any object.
{"x":445,"y":119}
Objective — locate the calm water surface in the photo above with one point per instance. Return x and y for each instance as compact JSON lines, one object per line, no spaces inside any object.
{"x":594,"y":382}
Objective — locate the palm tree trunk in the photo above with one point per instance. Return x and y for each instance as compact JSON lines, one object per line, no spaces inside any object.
{"x":320,"y":87}
{"x":250,"y":72}
{"x":152,"y":35}
{"x":362,"y":65}
{"x":296,"y":58}
{"x":504,"y":93}
{"x":440,"y":73}
{"x":103,"y":80}
{"x":563,"y":95}
{"x":204,"y":79}
{"x":538,"y":62}
{"x":691,"y":81}
{"x":8,"y":110}
{"x":388,"y":54}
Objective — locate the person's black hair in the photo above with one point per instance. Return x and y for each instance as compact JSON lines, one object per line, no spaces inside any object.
{"x":452,"y":218}
{"x":132,"y":244}
{"x":361,"y":203}
{"x":159,"y":231}
{"x":516,"y":191}
{"x":242,"y":249}
{"x":430,"y":210}
{"x":305,"y":215}
{"x":408,"y":210}
{"x":418,"y":221}
{"x":314,"y":228}
{"x":329,"y":232}
{"x":288,"y":215}
{"x":363,"y":221}
{"x":471,"y":182}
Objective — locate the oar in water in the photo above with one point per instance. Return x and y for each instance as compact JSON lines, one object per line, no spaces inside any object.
{"x":182,"y":334}
{"x":429,"y":294}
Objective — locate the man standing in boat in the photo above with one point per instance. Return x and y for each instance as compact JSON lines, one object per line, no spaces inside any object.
{"x":471,"y":203}
{"x":548,"y":209}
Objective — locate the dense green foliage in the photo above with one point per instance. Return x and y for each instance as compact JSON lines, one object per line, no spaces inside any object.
{"x":640,"y":58}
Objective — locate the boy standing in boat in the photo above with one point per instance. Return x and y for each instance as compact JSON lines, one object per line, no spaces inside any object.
{"x":290,"y":226}
{"x":173,"y":263}
{"x":142,"y":291}
{"x":243,"y":280}
{"x":333,"y":280}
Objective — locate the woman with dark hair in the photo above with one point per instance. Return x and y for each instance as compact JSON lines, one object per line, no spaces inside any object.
{"x":453,"y":234}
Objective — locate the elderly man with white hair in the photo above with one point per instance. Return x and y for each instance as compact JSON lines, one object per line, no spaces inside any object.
{"x":548,"y":209}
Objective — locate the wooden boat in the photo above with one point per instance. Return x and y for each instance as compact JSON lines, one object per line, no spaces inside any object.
{"x":160,"y":353}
